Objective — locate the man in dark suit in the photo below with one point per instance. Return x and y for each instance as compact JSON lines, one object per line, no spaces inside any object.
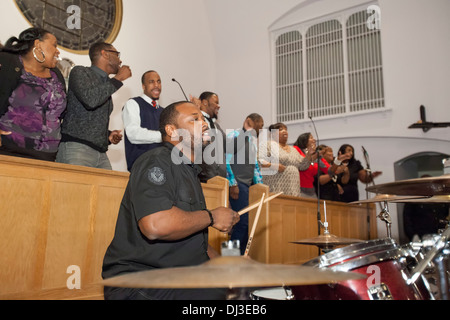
{"x":214,"y":161}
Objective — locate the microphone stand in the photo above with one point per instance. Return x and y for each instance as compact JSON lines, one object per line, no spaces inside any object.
{"x":319,"y":220}
{"x":181,"y":89}
{"x":369,"y":171}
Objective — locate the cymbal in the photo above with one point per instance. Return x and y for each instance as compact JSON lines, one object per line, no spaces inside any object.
{"x":433,"y":199}
{"x":229,"y":272}
{"x":387,"y":197}
{"x":327,"y":241}
{"x":430,"y":186}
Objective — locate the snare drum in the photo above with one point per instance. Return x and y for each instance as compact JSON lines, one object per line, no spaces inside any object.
{"x":383,"y":262}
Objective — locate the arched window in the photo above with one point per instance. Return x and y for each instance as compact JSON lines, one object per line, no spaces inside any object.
{"x":289,"y":82}
{"x":329,"y":67}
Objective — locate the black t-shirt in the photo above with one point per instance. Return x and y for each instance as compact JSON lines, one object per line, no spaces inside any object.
{"x":351,"y":192}
{"x":329,"y":190}
{"x":156,"y":183}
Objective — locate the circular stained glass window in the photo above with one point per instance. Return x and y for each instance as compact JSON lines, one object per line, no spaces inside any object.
{"x":77,"y":24}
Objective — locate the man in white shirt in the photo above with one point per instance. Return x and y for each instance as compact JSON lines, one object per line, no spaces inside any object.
{"x":140,"y":117}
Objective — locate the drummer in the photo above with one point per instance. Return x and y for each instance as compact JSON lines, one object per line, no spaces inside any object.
{"x":163,"y":221}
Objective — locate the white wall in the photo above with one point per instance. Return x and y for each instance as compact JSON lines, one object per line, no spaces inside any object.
{"x":224,"y":46}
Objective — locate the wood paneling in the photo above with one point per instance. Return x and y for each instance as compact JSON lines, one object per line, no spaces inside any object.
{"x":55,"y":216}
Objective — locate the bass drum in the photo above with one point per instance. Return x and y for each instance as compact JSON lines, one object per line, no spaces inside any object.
{"x":386,"y":265}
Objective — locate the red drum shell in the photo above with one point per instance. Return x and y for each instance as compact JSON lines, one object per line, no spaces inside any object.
{"x":382,"y":261}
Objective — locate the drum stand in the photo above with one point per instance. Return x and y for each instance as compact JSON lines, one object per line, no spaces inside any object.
{"x":438,"y":247}
{"x":386,"y":217}
{"x":324,"y":225}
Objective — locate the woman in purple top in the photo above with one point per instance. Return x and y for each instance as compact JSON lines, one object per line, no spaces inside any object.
{"x":32,"y":96}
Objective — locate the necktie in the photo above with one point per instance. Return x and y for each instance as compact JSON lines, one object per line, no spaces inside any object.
{"x":211,"y":123}
{"x":154,"y":104}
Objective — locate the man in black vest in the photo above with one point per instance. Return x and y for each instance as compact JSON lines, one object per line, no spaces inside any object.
{"x":140,"y":117}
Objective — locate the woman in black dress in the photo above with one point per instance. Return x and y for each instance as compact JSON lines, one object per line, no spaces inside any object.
{"x":357,"y":172}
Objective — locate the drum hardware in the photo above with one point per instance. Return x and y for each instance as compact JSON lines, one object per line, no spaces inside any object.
{"x":380,"y":292}
{"x":325,"y":223}
{"x":327,"y":241}
{"x":437,"y":248}
{"x":289,"y":295}
{"x":384,"y":215}
{"x":442,"y":263}
{"x":432,"y":273}
{"x":278,"y":293}
{"x":386,"y":218}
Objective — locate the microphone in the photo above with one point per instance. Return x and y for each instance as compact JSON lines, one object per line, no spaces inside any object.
{"x":366,"y":157}
{"x":180,"y":88}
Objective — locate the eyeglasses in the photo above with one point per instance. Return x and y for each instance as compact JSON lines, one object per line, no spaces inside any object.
{"x":118,"y":53}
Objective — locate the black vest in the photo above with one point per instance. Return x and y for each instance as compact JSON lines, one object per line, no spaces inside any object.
{"x":149,"y":120}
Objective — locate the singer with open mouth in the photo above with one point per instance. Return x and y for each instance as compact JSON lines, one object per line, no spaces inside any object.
{"x":140,"y":117}
{"x":32,"y":96}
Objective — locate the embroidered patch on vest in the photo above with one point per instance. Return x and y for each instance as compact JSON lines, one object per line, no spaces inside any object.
{"x":157,"y":176}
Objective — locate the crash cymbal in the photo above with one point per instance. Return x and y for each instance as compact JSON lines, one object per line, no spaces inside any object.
{"x":388,"y":198}
{"x":327,"y":241}
{"x":229,"y":272}
{"x":433,"y":199}
{"x":430,"y":186}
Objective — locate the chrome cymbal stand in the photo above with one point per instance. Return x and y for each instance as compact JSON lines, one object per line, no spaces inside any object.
{"x":435,"y":251}
{"x":386,"y":217}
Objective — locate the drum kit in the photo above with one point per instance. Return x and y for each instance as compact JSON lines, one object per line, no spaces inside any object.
{"x":348,"y":269}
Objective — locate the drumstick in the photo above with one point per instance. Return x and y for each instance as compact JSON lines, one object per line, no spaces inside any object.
{"x":254,"y":205}
{"x":250,"y":238}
